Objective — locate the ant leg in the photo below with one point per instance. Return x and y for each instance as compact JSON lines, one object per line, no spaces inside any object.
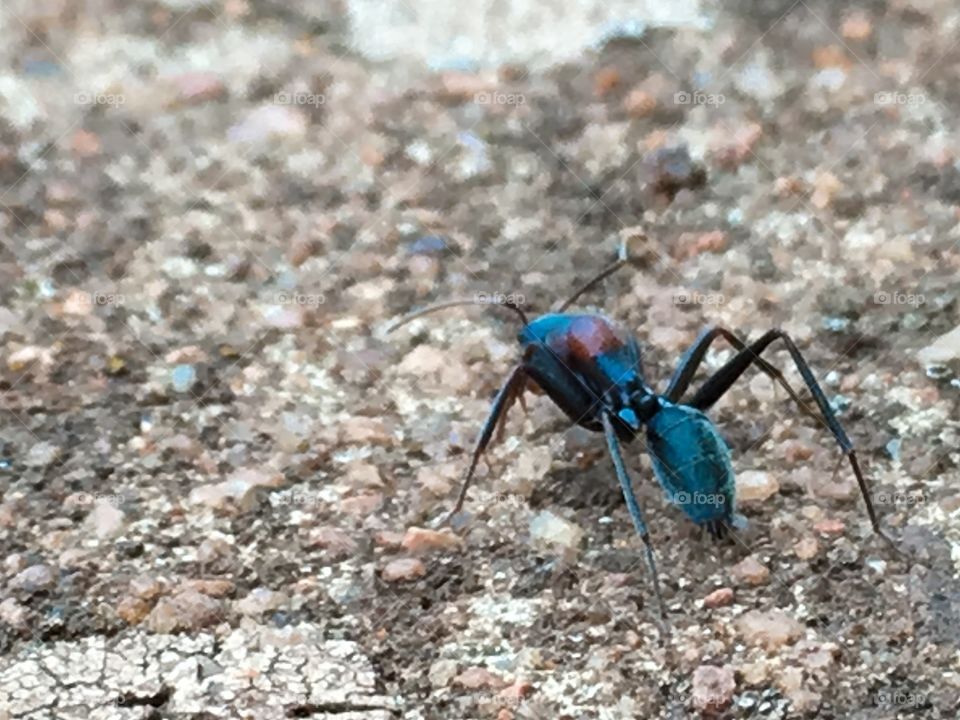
{"x":516,"y":393}
{"x":613,"y":445}
{"x":513,"y":384}
{"x":721,"y":381}
{"x":692,"y":358}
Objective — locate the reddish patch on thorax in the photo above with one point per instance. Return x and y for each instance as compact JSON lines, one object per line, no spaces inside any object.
{"x":589,"y":337}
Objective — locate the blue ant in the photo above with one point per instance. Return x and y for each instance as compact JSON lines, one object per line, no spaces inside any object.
{"x":592,"y":370}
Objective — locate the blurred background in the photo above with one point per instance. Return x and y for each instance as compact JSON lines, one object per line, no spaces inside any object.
{"x":217,"y":470}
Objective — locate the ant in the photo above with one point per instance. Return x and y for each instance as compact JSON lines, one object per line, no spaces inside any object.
{"x":591,"y":369}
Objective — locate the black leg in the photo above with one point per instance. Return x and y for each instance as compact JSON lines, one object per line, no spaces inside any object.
{"x":721,"y":381}
{"x":613,"y":445}
{"x":510,"y":390}
{"x":694,"y":356}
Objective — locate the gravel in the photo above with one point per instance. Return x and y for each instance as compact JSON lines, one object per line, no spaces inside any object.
{"x":220,"y":476}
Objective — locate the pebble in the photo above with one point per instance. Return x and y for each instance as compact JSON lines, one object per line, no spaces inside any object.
{"x":286,"y":317}
{"x":13,"y":614}
{"x":31,"y":358}
{"x":721,"y":597}
{"x":758,"y":81}
{"x":85,"y":144}
{"x":261,"y":600}
{"x":605,"y":80}
{"x":447,"y":371}
{"x":362,"y":505}
{"x":787,"y":186}
{"x":771,"y":630}
{"x":830,"y":527}
{"x":269,"y":121}
{"x":475,"y":156}
{"x":942,"y":350}
{"x":8,"y":515}
{"x":639,"y":103}
{"x":442,"y":672}
{"x":856,"y":26}
{"x":516,"y":692}
{"x":839,"y":487}
{"x":332,"y":539}
{"x":76,"y":558}
{"x":422,"y":540}
{"x":146,"y":587}
{"x":737,"y":149}
{"x":389,"y":539}
{"x":187,"y":610}
{"x":433,"y":480}
{"x":795,"y":451}
{"x":183,"y":377}
{"x":475,"y":678}
{"x":196,"y":88}
{"x":825,"y":187}
{"x":361,"y":430}
{"x":830,"y":56}
{"x":42,"y":454}
{"x":106,"y":520}
{"x":756,"y":486}
{"x":361,"y":474}
{"x":804,"y":701}
{"x":78,"y":304}
{"x":553,"y":530}
{"x":817,"y":656}
{"x":179,"y":267}
{"x":240,"y":488}
{"x":755,"y":674}
{"x":213,"y":549}
{"x":403,"y":569}
{"x":34,"y":579}
{"x":670,"y":170}
{"x":132,"y":610}
{"x":463,"y":86}
{"x":713,"y":688}
{"x":750,"y":571}
{"x":429,"y":245}
{"x":807,"y":548}
{"x":689,"y":245}
{"x":186,"y":354}
{"x":213,"y":588}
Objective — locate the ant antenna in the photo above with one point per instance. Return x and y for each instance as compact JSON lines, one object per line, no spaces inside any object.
{"x":622,"y":260}
{"x":454,"y":303}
